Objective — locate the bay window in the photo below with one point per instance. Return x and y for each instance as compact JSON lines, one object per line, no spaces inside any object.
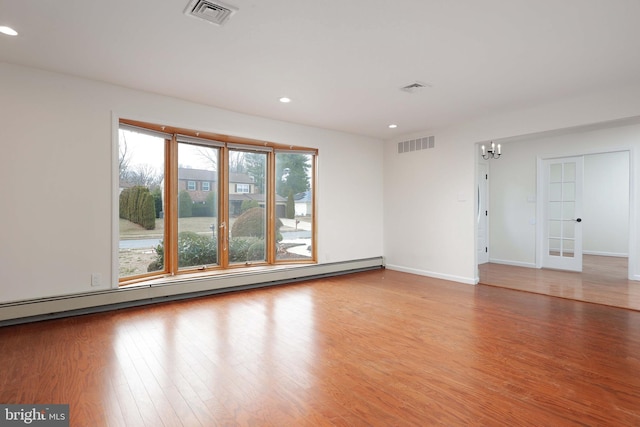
{"x":194,"y":202}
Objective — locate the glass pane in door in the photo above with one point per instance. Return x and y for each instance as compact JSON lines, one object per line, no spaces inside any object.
{"x":562,"y":191}
{"x":568,"y":246}
{"x":561,"y":209}
{"x":555,"y":173}
{"x":247,"y":207}
{"x":197,"y":206}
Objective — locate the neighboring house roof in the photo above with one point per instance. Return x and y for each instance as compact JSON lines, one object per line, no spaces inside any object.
{"x":207,"y":175}
{"x":255,"y":196}
{"x":197,"y":174}
{"x":240,"y":178}
{"x":303,"y":197}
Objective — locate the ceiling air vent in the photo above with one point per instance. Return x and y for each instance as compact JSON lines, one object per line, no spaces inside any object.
{"x":215,"y":12}
{"x":414,"y":87}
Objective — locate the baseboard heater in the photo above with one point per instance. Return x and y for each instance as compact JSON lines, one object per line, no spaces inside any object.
{"x":142,"y":294}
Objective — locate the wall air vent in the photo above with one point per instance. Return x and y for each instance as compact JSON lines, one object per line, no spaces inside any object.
{"x":416,"y":144}
{"x":215,"y":12}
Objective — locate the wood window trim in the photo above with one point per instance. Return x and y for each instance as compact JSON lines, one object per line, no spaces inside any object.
{"x":212,"y":136}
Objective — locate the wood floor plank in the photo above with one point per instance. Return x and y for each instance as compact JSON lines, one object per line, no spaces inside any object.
{"x":376,"y":348}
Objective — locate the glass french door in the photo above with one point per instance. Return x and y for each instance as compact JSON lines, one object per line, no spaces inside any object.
{"x":562,"y":241}
{"x":247,"y":203}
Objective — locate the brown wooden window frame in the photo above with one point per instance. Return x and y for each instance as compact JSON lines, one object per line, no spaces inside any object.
{"x":224,"y":142}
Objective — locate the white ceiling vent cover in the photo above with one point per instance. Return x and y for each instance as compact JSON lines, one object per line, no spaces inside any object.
{"x":215,"y":12}
{"x":416,"y":144}
{"x":415,"y":87}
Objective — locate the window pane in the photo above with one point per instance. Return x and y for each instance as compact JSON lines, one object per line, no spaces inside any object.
{"x":555,"y":210}
{"x":197,"y":207}
{"x":247,"y":206}
{"x":568,"y":210}
{"x":294,"y":206}
{"x":141,"y":223}
{"x":569,"y":172}
{"x":569,"y":229}
{"x":555,"y":173}
{"x":568,"y":191}
{"x":555,"y":191}
{"x":568,"y":248}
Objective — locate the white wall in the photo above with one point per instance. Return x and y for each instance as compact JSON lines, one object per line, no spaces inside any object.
{"x":56,"y":177}
{"x":429,"y":210}
{"x":429,"y":196}
{"x":606,"y":204}
{"x":512,"y":204}
{"x":512,"y":188}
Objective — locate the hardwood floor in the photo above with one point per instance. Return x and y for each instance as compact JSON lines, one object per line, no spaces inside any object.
{"x":378,"y":348}
{"x":603,"y":281}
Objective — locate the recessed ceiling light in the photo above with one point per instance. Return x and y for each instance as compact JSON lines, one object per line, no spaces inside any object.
{"x":8,"y":31}
{"x":393,"y":126}
{"x":284,"y":99}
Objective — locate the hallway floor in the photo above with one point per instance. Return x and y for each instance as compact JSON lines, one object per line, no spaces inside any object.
{"x":602,"y":281}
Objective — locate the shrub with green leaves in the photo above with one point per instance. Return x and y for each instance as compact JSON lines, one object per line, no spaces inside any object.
{"x":185,"y":205}
{"x":157,"y":199}
{"x":239,"y":248}
{"x":137,"y":205}
{"x":256,"y":251}
{"x":199,"y":209}
{"x":250,"y":224}
{"x":196,"y":249}
{"x":147,"y":211}
{"x":291,"y":206}
{"x":211,"y":203}
{"x":206,"y":208}
{"x":248,"y":204}
{"x":193,"y":249}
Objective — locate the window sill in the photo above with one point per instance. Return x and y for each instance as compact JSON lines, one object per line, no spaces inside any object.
{"x":229,"y":273}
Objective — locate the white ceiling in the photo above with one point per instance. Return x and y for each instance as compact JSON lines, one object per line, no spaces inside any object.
{"x":342,"y":62}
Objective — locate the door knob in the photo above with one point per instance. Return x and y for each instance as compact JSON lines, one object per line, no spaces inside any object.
{"x":578,"y":220}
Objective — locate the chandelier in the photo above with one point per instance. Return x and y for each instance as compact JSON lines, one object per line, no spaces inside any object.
{"x":491,"y":153}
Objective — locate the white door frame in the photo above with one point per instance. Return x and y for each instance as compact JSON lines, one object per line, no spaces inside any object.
{"x":482,"y":209}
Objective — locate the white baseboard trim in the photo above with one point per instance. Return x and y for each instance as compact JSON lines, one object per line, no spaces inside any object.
{"x":611,"y":254}
{"x":514,"y":263}
{"x":452,"y":278}
{"x":141,"y":294}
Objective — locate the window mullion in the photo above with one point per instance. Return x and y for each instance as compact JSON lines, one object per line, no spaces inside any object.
{"x":270,"y":250}
{"x":223,"y":208}
{"x":171,"y":222}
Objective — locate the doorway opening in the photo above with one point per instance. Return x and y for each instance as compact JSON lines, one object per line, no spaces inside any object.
{"x":516,"y":208}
